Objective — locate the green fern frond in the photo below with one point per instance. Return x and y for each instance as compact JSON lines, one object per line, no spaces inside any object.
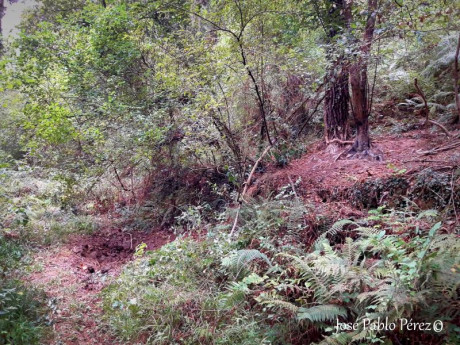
{"x":335,"y":228}
{"x":319,"y":313}
{"x":338,"y":339}
{"x":428,"y":214}
{"x":282,"y":305}
{"x":240,"y":259}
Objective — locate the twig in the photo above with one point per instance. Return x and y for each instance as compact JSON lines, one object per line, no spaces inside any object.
{"x":427,"y":110}
{"x":440,"y":149}
{"x":248,"y":181}
{"x":131,"y":239}
{"x":444,"y":129}
{"x":235,"y":221}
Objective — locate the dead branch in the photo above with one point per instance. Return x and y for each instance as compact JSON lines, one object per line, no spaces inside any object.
{"x":440,"y":126}
{"x":426,"y":109}
{"x":235,"y":222}
{"x":119,"y":180}
{"x":338,"y":141}
{"x":248,"y":182}
{"x":246,"y":186}
{"x":440,"y":149}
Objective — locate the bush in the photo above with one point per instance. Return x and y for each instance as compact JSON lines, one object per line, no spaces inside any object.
{"x":22,"y":310}
{"x":178,"y":295}
{"x":22,"y":314}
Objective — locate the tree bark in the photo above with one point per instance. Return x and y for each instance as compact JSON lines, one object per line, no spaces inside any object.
{"x":337,"y":96}
{"x":336,"y":102}
{"x":359,"y":83}
{"x":456,"y":79}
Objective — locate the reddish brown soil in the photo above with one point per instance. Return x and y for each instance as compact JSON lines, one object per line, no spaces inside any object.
{"x":72,"y":275}
{"x":320,"y":171}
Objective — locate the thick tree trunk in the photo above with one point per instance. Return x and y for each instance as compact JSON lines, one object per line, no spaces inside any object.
{"x":337,"y":97}
{"x":358,"y":81}
{"x":336,"y":103}
{"x":362,"y":141}
{"x":359,"y":84}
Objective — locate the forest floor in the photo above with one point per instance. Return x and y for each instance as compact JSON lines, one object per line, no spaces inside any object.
{"x":326,"y":181}
{"x":73,"y":274}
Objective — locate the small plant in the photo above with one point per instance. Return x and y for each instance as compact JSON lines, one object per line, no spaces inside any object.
{"x":22,"y":314}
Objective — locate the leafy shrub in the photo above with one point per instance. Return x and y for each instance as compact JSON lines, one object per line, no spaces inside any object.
{"x":34,"y":208}
{"x":22,"y":314}
{"x":22,"y":310}
{"x":179,"y":295}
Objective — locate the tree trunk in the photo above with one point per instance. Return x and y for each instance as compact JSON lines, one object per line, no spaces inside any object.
{"x":456,"y":79}
{"x":337,"y":95}
{"x":359,"y":83}
{"x":336,"y":104}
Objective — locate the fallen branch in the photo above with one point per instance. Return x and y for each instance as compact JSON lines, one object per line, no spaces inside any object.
{"x":340,"y":154}
{"x":426,"y":109}
{"x":440,"y":126}
{"x":235,"y":222}
{"x":439,"y":149}
{"x":246,"y":186}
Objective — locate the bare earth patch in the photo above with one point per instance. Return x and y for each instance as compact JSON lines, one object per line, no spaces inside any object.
{"x":73,"y":274}
{"x":323,"y":175}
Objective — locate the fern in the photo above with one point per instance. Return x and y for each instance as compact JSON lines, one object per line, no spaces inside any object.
{"x":325,"y":312}
{"x":335,"y":228}
{"x":428,"y":214}
{"x":444,"y":58}
{"x":338,"y":339}
{"x":282,"y":305}
{"x":241,"y":259}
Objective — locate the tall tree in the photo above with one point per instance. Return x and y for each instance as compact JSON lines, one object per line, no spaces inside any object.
{"x":337,"y":96}
{"x":359,"y":82}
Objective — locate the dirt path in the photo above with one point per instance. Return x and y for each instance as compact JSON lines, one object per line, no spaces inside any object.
{"x":73,"y":274}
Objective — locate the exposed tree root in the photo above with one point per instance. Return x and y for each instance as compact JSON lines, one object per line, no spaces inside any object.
{"x":371,"y":154}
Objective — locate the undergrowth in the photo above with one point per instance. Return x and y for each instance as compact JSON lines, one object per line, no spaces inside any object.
{"x":180,"y":295}
{"x":34,"y":212}
{"x":23,"y":310}
{"x":269,"y":285}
